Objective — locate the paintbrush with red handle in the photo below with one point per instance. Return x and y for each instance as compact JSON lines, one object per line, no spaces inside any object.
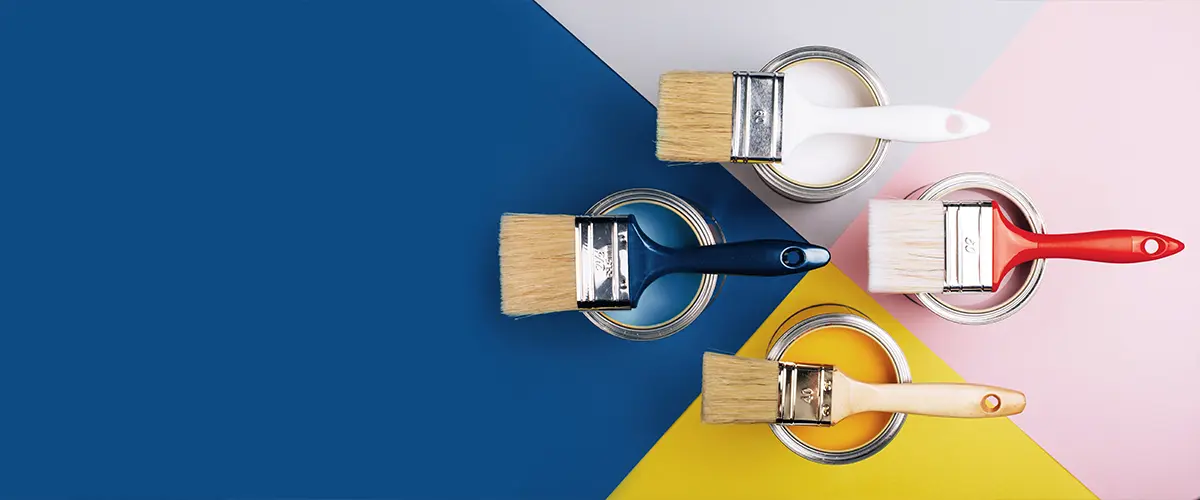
{"x":954,"y":246}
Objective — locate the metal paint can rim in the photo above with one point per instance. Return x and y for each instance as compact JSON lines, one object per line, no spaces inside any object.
{"x":994,"y":184}
{"x":816,"y":194}
{"x":707,"y":233}
{"x":903,"y":375}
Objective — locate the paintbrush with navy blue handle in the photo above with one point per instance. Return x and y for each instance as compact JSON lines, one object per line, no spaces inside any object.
{"x":552,"y":263}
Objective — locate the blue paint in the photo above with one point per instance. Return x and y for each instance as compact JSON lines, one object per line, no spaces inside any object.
{"x":668,"y":296}
{"x":248,"y":254}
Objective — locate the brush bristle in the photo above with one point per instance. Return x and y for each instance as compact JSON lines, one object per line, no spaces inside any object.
{"x":537,"y":264}
{"x":737,"y":390}
{"x":906,"y":242}
{"x":695,"y":116}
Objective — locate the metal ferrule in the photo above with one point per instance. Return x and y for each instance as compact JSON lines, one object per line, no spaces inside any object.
{"x":805,"y":394}
{"x":602,"y":262}
{"x":968,"y":246}
{"x":757,"y":117}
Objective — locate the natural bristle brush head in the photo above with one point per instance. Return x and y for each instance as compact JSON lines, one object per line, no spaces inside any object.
{"x":695,"y":116}
{"x":906,"y":246}
{"x":744,"y":117}
{"x":552,"y":263}
{"x":739,"y":390}
{"x":537,"y":264}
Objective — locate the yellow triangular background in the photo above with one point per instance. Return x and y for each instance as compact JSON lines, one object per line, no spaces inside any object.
{"x":931,"y":458}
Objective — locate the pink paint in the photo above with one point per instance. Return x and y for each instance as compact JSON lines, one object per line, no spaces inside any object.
{"x":1092,"y":110}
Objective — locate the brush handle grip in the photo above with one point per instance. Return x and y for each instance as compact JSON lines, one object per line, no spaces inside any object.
{"x":747,"y":258}
{"x":905,"y":123}
{"x":939,"y":400}
{"x":1118,"y":246}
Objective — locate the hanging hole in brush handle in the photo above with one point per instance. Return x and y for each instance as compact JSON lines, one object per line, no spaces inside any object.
{"x":1152,"y":245}
{"x":937,"y":399}
{"x":955,"y":124}
{"x":904,"y":123}
{"x":792,"y":257}
{"x":747,"y":258}
{"x":990,"y":403}
{"x":1116,"y":246}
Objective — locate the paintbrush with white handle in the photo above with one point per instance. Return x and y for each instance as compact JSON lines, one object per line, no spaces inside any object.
{"x":761,"y":117}
{"x":739,"y":390}
{"x":919,"y":246}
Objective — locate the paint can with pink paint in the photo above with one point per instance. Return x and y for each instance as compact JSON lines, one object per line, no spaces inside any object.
{"x":828,"y":166}
{"x":1019,"y":286}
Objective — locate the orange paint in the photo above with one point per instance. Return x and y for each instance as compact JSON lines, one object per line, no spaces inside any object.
{"x":856,"y":355}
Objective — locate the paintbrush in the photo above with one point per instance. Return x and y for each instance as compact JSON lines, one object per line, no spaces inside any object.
{"x":969,"y":246}
{"x":743,"y":117}
{"x":551,"y":263}
{"x":738,"y":390}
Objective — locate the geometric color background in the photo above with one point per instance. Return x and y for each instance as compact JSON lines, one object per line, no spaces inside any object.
{"x":248,"y":249}
{"x":1092,"y":107}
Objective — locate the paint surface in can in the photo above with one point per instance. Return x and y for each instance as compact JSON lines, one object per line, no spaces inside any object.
{"x":858,"y":356}
{"x":1019,"y":286}
{"x":669,"y":296}
{"x":828,"y":159}
{"x":837,"y":335}
{"x":826,"y":166}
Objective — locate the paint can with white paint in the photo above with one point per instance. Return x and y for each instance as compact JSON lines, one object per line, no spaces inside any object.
{"x":826,"y":167}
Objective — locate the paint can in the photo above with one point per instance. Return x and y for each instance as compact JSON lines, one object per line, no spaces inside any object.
{"x":836,"y":164}
{"x":844,"y":337}
{"x":674,"y":301}
{"x":1009,"y":298}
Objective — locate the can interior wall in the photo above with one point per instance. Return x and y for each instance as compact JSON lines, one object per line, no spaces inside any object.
{"x":772,"y":174}
{"x":672,"y":302}
{"x":824,"y":317}
{"x":1030,"y":218}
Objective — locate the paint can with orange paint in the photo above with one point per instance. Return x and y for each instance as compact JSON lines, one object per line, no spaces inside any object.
{"x":842,"y":336}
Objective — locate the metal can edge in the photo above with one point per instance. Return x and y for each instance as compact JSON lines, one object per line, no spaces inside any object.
{"x":707,"y":232}
{"x":810,"y":194}
{"x":995,"y":184}
{"x":903,"y":375}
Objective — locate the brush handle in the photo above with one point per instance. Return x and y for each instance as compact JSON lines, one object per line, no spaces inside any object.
{"x":1118,"y":246}
{"x":747,"y":258}
{"x":1012,"y":246}
{"x":905,"y":123}
{"x":938,"y":400}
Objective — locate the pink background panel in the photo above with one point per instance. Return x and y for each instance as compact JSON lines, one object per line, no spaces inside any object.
{"x":1095,"y":111}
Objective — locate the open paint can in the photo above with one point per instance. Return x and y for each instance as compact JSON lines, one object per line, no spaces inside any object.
{"x":1019,"y":286}
{"x":826,"y":167}
{"x":841,"y":336}
{"x":672,"y":302}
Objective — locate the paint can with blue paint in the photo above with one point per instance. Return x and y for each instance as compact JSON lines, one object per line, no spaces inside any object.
{"x":672,"y":302}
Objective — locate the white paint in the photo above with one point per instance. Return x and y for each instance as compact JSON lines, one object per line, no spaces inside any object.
{"x":826,"y":159}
